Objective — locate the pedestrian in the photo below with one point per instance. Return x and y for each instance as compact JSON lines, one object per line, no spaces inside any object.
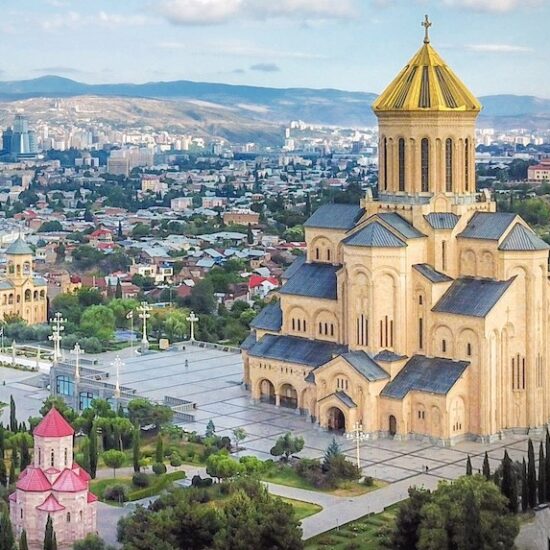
{"x":186,"y":363}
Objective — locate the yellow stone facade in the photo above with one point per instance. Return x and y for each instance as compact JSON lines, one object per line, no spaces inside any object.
{"x":422,"y":312}
{"x":22,"y":293}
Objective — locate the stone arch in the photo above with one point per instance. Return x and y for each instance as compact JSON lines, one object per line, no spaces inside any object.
{"x":486,"y":264}
{"x":385,"y":282}
{"x":322,"y":250}
{"x":35,"y":295}
{"x":266,"y":391}
{"x":325,"y":324}
{"x":392,"y":425}
{"x":28,"y":295}
{"x":298,"y":319}
{"x":442,"y":341}
{"x":468,"y":263}
{"x":335,"y":419}
{"x":341,"y":382}
{"x":288,"y":396}
{"x":467,"y":345}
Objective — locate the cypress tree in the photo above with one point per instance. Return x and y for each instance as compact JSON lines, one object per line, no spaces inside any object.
{"x":54,"y":542}
{"x":159,"y":451}
{"x":547,"y":464}
{"x":486,"y":467}
{"x":13,"y":417}
{"x":118,"y":289}
{"x":524,"y":488}
{"x":531,"y":475}
{"x":12,"y":472}
{"x":135,"y":449}
{"x":7,"y":540}
{"x":508,"y":486}
{"x":92,"y":450}
{"x":468,"y":466}
{"x":542,"y":475}
{"x":249,"y":234}
{"x":23,"y":545}
{"x":3,"y":474}
{"x":473,"y":537}
{"x":25,"y":454}
{"x":49,"y":535}
{"x":2,"y":443}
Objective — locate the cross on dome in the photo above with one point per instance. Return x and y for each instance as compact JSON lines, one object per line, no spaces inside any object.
{"x":426,"y":24}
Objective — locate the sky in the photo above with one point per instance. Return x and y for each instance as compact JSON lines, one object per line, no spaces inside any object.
{"x":495,"y":46}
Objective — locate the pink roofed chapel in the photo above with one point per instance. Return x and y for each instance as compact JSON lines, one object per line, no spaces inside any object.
{"x":53,"y":485}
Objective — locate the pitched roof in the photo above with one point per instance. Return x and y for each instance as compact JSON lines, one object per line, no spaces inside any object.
{"x":401,"y":225}
{"x":432,"y":274}
{"x":442,"y":220}
{"x":388,"y":356}
{"x":335,"y":216}
{"x":427,"y":374}
{"x":314,"y":280}
{"x":51,"y":505}
{"x":81,"y":472}
{"x":69,"y":482}
{"x":345,"y":399}
{"x":53,"y":425}
{"x":521,"y":238}
{"x":91,"y":497}
{"x":33,"y":480}
{"x":293,"y":267}
{"x":374,"y":235}
{"x":296,"y":350}
{"x":249,"y":341}
{"x":472,"y":297}
{"x":270,"y":318}
{"x":19,"y":248}
{"x":487,"y":225}
{"x":365,"y":365}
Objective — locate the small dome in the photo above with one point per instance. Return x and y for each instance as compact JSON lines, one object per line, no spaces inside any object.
{"x":19,"y":248}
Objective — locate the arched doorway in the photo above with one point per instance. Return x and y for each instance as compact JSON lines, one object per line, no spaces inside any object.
{"x":288,"y":397}
{"x":393,"y":425}
{"x":336,"y":421}
{"x":267,"y":392}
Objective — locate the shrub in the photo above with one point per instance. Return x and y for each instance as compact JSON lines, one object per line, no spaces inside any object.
{"x":159,"y":468}
{"x":340,"y":469}
{"x":91,"y":345}
{"x":368,"y":481}
{"x":118,"y":493}
{"x":175,"y":460}
{"x":139,"y":479}
{"x":198,"y":481}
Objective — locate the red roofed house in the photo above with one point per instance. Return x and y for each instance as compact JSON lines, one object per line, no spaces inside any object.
{"x":261,"y":286}
{"x":53,"y":485}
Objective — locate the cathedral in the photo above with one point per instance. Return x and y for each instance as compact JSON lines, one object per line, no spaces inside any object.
{"x":422,"y":312}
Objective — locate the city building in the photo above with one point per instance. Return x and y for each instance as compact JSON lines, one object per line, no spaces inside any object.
{"x":539,"y":172}
{"x":118,"y":166}
{"x":22,"y":293}
{"x":20,"y":142}
{"x":180,"y":204}
{"x":55,"y":486}
{"x":241,"y":216}
{"x":423,"y":313}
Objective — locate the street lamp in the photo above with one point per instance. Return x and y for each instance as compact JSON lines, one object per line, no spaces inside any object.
{"x":357,"y":435}
{"x":144,"y":314}
{"x":58,"y":328}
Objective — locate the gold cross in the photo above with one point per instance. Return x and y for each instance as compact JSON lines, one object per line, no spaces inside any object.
{"x":426,"y":24}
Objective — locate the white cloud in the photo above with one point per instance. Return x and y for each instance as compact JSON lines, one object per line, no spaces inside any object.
{"x":215,"y":12}
{"x":496,"y":6}
{"x":265,"y":67}
{"x":73,"y":20}
{"x":498,"y":48}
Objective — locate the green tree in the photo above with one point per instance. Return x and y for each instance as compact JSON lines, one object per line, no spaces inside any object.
{"x":142,"y":412}
{"x":407,"y":522}
{"x":542,"y":475}
{"x":473,"y":536}
{"x":175,"y":325}
{"x":25,"y":454}
{"x":92,"y":542}
{"x":210,"y":429}
{"x":486,"y":467}
{"x":13,"y":416}
{"x":60,"y":252}
{"x":524,"y":488}
{"x":113,"y":459}
{"x":222,"y":466}
{"x":7,"y":540}
{"x":136,"y":454}
{"x":118,"y":290}
{"x":508,"y":485}
{"x":531,"y":475}
{"x":287,"y":445}
{"x":50,"y":542}
{"x":333,"y":450}
{"x":202,"y":298}
{"x":52,"y":225}
{"x":249,"y":234}
{"x":159,"y":450}
{"x":13,"y":476}
{"x":98,"y":321}
{"x":140,"y":230}
{"x":468,"y":466}
{"x":3,"y":473}
{"x":86,"y":257}
{"x":92,"y":450}
{"x":239,"y":434}
{"x":23,"y":545}
{"x":2,"y":441}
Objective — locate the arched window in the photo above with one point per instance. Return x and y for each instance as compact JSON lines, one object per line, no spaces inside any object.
{"x":68,"y":517}
{"x":52,"y":458}
{"x":66,"y":456}
{"x":328,"y":255}
{"x":468,"y":349}
{"x":317,"y":253}
{"x":444,"y":255}
{"x":39,"y":456}
{"x":28,"y":295}
{"x":467,"y":164}
{"x":401,"y":147}
{"x":425,"y":164}
{"x":444,"y":346}
{"x":385,"y":160}
{"x":449,"y":165}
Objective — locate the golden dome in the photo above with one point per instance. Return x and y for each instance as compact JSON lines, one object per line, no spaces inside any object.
{"x":426,"y":84}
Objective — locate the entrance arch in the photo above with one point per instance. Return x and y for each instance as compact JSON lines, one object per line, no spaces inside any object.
{"x":392,"y":425}
{"x":267,"y":392}
{"x":336,"y":420}
{"x":288,"y":397}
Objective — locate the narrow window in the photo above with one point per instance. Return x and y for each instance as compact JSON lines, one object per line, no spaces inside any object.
{"x":52,"y":458}
{"x":21,"y":513}
{"x":448,"y":165}
{"x":40,"y":457}
{"x":316,"y":253}
{"x":332,"y":329}
{"x":523,"y":373}
{"x":401,"y":164}
{"x":420,"y":333}
{"x":293,"y":324}
{"x":467,"y":164}
{"x":420,"y":300}
{"x":513,"y":374}
{"x":320,"y":328}
{"x":305,"y":326}
{"x":468,"y":349}
{"x":68,"y":517}
{"x":444,"y":255}
{"x":66,"y":457}
{"x":444,"y":346}
{"x":328,"y":255}
{"x":425,"y":164}
{"x":385,"y":154}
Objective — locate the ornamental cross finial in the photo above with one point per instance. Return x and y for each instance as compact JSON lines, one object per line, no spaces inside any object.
{"x":426,"y":24}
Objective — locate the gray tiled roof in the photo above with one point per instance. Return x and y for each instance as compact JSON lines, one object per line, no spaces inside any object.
{"x":365,"y":365}
{"x":472,"y":297}
{"x":270,"y":318}
{"x":293,"y":267}
{"x":295,"y":350}
{"x":19,"y":247}
{"x":401,"y":224}
{"x":345,"y":399}
{"x":249,"y":341}
{"x":487,"y":225}
{"x":442,"y":220}
{"x":374,"y":235}
{"x":39,"y":281}
{"x":432,"y":274}
{"x":335,"y":216}
{"x":387,"y":355}
{"x":5,"y":285}
{"x":427,"y":374}
{"x":314,"y":280}
{"x":522,"y":238}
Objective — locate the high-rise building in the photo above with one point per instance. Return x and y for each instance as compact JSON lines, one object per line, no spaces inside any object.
{"x":19,"y":141}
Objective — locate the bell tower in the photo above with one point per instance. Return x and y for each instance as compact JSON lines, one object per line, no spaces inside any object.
{"x":426,"y":120}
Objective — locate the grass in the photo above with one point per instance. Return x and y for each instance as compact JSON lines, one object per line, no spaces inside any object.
{"x":286,"y":475}
{"x":362,"y":534}
{"x":302,"y":509}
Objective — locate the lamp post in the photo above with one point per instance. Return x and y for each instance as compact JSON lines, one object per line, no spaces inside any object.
{"x":117,"y":363}
{"x":192,"y":319}
{"x":76,"y":351}
{"x":357,"y":435}
{"x":58,"y":328}
{"x":130,"y":316}
{"x":144,"y":314}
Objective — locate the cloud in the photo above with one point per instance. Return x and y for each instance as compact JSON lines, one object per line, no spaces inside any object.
{"x":495,"y":6}
{"x":265,"y":67}
{"x":498,"y":48}
{"x":216,"y":12}
{"x":57,"y":70}
{"x":238,"y":71}
{"x":74,"y":19}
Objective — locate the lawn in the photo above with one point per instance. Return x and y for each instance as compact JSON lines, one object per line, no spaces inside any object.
{"x":286,"y":475}
{"x":362,"y":534}
{"x":302,"y":509}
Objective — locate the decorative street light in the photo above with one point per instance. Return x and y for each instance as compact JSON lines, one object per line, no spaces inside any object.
{"x":117,"y":363}
{"x":192,"y":319}
{"x":144,"y":314}
{"x":76,"y":351}
{"x":58,"y":328}
{"x":357,"y":435}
